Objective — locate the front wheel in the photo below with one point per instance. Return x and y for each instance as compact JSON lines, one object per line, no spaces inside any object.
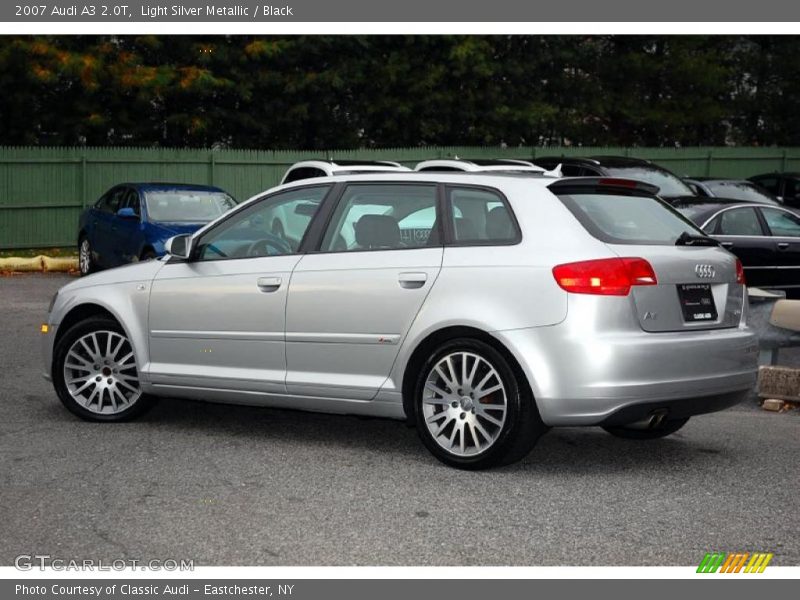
{"x":663,"y":429}
{"x":471,"y":412}
{"x":95,"y":372}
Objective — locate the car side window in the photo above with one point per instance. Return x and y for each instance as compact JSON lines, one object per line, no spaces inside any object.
{"x":571,"y":170}
{"x":480,"y":217}
{"x":791,"y":191}
{"x":112,"y":201}
{"x":271,"y":226}
{"x":442,"y":169}
{"x":739,"y":221}
{"x":132,"y":201}
{"x":383,"y":217}
{"x":770,"y":184}
{"x":304,"y":173}
{"x":781,"y":223}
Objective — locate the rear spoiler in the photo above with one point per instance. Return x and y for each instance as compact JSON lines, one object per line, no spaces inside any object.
{"x":600,"y":184}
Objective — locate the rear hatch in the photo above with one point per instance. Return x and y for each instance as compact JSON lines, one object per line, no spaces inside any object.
{"x":696,"y":284}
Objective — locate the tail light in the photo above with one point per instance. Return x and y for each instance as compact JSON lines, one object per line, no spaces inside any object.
{"x":740,"y":272}
{"x":605,"y":277}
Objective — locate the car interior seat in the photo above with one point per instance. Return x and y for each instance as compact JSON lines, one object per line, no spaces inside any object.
{"x":465,"y":229}
{"x":498,"y":224}
{"x":377,"y":231}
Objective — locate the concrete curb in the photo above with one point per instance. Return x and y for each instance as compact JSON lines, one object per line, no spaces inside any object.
{"x":39,"y":263}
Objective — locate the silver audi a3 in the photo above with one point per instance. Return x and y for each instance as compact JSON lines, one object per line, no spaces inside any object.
{"x":482,"y":308}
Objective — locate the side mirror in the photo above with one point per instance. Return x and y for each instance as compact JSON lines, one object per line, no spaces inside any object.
{"x":179,"y":246}
{"x":127,"y":213}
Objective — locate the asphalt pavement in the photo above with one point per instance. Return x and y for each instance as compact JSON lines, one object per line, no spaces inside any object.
{"x":229,"y":485}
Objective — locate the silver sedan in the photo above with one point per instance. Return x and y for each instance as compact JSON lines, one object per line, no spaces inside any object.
{"x":482,"y":308}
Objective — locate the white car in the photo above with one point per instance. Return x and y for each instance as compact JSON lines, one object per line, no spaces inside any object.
{"x":506,"y":165}
{"x":309,"y":169}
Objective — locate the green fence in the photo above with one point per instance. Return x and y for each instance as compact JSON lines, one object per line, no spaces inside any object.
{"x":43,"y":190}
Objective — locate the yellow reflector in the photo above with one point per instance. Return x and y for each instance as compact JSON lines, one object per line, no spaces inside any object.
{"x":44,"y":328}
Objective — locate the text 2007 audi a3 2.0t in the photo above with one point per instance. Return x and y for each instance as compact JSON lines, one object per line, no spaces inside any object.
{"x":483,"y":308}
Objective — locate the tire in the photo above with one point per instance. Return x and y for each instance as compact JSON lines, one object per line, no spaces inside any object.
{"x":110,"y":392}
{"x":665,"y":428}
{"x":148,"y":254}
{"x":86,"y":262}
{"x":492,"y":436}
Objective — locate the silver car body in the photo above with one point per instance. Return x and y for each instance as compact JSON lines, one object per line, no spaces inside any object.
{"x":336,"y":331}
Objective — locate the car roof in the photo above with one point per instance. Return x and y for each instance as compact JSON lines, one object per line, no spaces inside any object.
{"x":709,"y":200}
{"x":157,"y":186}
{"x":601,"y":161}
{"x":320,"y":162}
{"x":481,"y":164}
{"x":718,"y":180}
{"x":776,"y":174}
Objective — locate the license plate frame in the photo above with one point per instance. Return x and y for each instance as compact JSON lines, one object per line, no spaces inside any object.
{"x":697,"y":303}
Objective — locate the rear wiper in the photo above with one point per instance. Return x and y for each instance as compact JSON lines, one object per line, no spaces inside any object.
{"x":689,"y":239}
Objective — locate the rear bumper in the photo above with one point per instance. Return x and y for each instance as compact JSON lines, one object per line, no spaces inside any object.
{"x":587,"y":378}
{"x":674,"y":409}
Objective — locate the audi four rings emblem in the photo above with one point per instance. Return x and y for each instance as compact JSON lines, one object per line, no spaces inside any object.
{"x":705,"y":271}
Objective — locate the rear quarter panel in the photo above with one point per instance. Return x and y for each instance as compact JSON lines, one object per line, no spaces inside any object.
{"x":510,"y":287}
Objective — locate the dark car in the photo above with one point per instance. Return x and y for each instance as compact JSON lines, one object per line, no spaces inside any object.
{"x":131,"y":221}
{"x":735,"y":189}
{"x":766,"y":238}
{"x":784,"y":186}
{"x":669,"y":184}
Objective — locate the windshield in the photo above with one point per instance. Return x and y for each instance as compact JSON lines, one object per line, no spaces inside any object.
{"x":187,"y":206}
{"x":740,"y":190}
{"x":628,"y":219}
{"x":667,"y":183}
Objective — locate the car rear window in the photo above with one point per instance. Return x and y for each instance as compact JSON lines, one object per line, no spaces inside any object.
{"x":628,"y":218}
{"x":740,"y":190}
{"x":667,"y":183}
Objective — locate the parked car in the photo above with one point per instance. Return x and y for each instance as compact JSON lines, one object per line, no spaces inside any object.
{"x":668,"y":184}
{"x":309,"y":169}
{"x":131,"y":221}
{"x":765,"y":237}
{"x":784,"y":186}
{"x":564,"y":302}
{"x":734,"y":189}
{"x":444,"y":165}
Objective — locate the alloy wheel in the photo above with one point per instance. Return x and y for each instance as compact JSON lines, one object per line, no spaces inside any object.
{"x":464,"y":404}
{"x":100,"y":373}
{"x":85,"y":257}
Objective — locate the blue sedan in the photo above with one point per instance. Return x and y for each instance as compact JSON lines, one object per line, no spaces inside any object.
{"x":131,"y":221}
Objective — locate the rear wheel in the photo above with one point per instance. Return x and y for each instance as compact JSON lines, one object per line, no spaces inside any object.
{"x":471,"y":413}
{"x":663,"y":429}
{"x":85,"y":260}
{"x":95,"y":372}
{"x":148,"y":254}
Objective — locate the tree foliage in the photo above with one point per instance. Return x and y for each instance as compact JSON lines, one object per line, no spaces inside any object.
{"x":316,"y":92}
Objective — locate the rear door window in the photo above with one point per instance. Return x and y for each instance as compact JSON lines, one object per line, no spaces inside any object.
{"x":739,"y":221}
{"x":383,"y":217}
{"x":622,"y":218}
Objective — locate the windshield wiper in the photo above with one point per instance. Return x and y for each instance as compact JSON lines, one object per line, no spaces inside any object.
{"x":690,"y":239}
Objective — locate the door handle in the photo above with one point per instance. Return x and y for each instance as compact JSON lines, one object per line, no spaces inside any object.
{"x":269,"y":284}
{"x":783,"y":245}
{"x":412,"y":281}
{"x":727,"y":244}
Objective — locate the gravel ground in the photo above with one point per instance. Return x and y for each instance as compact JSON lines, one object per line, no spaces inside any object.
{"x":228,"y":485}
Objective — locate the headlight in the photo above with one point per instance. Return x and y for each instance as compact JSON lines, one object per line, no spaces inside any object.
{"x":52,"y":303}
